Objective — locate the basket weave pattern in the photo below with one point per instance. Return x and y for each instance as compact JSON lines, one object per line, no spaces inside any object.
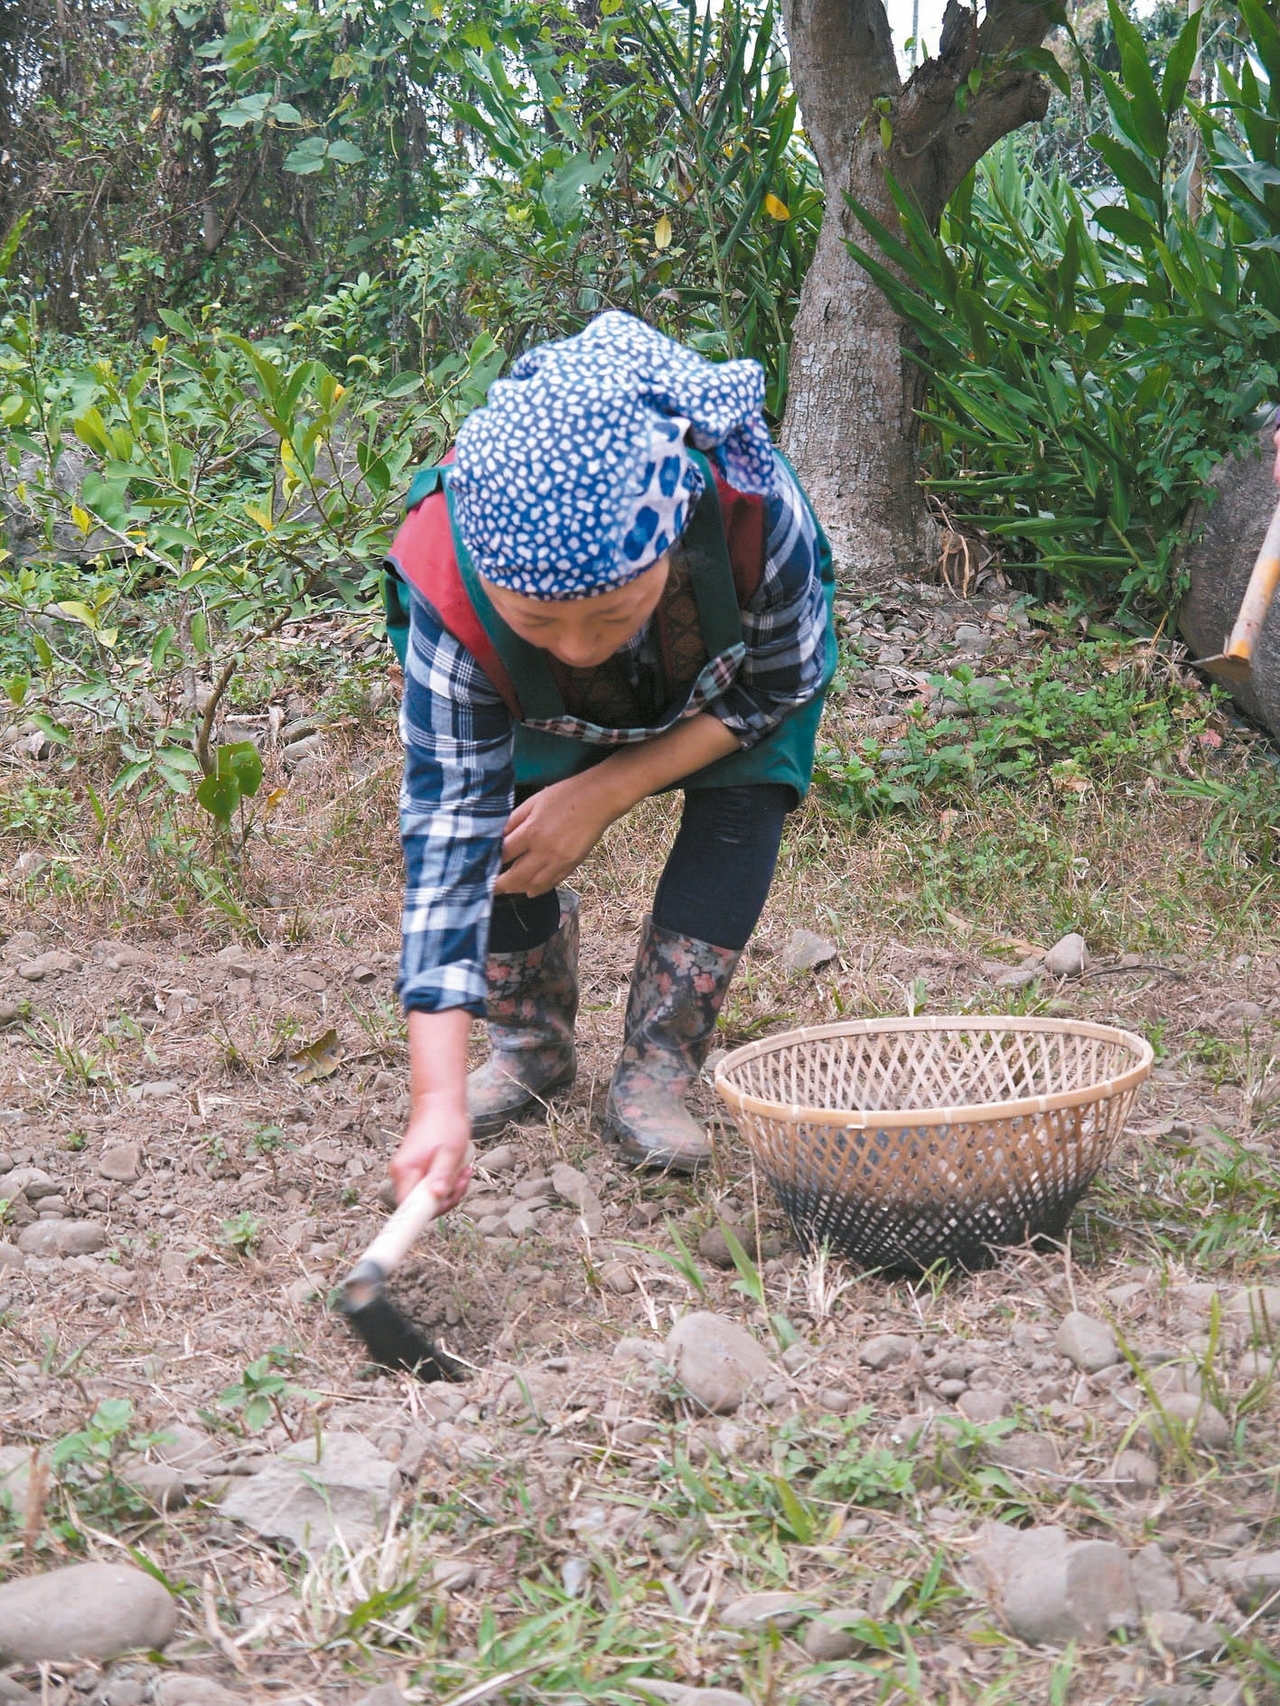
{"x":902,"y":1142}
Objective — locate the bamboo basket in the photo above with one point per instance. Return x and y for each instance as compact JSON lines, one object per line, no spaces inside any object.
{"x":904,"y":1142}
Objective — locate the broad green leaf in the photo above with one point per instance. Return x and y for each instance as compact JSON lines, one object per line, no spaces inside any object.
{"x":241,"y":762}
{"x":219,"y":795}
{"x":1149,"y":123}
{"x":1180,"y":64}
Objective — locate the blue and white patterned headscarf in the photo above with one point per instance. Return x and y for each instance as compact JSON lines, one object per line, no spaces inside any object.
{"x":574,"y":478}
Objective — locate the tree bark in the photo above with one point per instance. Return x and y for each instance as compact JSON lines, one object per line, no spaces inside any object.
{"x":851,"y":423}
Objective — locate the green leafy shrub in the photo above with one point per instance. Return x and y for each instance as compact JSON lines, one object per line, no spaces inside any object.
{"x":1090,"y":360}
{"x":1090,"y":716}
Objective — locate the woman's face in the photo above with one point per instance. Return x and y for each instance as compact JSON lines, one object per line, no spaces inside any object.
{"x":583,"y":632}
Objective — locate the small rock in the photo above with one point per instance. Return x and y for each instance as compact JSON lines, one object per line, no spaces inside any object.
{"x":716,"y":1361}
{"x":1018,"y":977}
{"x":765,"y":1611}
{"x":363,"y":974}
{"x":835,"y":1400}
{"x":885,"y":1350}
{"x":794,"y":1358}
{"x":1175,"y":1633}
{"x":1135,"y":1473}
{"x":617,"y":1276}
{"x":316,"y":1493}
{"x":10,"y":1013}
{"x":93,"y":1612}
{"x":1088,"y":1343}
{"x":535,"y":1391}
{"x":830,"y":1637}
{"x":632,"y":1352}
{"x":155,"y":1090}
{"x":1155,"y":1580}
{"x":649,"y":1689}
{"x":575,"y":1188}
{"x":11,"y":1256}
{"x":1254,"y":1365}
{"x":500,"y":1160}
{"x":195,"y":1691}
{"x":983,"y":1404}
{"x":1068,"y":957}
{"x":298,"y":751}
{"x":116,"y":956}
{"x":453,"y":1575}
{"x":713,"y":1246}
{"x":1026,"y":1454}
{"x":806,"y":951}
{"x":184,"y":1448}
{"x":123,"y":1163}
{"x":521,"y":1220}
{"x":52,"y":964}
{"x":160,"y":1486}
{"x":1204,"y":1421}
{"x":1251,"y":1579}
{"x":1258,"y":1307}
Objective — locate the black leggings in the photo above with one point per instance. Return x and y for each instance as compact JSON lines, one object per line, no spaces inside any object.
{"x":713,"y":886}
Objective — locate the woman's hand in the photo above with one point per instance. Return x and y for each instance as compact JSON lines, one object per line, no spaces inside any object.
{"x":437,"y":1141}
{"x":435,"y":1147}
{"x":550,"y":834}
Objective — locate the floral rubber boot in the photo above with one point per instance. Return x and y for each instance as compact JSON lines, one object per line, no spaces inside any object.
{"x":677,"y":990}
{"x":532,"y":1002}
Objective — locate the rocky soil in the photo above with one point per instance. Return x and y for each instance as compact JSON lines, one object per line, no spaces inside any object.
{"x":665,"y":1476}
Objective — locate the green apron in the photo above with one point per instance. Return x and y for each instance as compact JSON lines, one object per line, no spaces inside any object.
{"x":541,"y":756}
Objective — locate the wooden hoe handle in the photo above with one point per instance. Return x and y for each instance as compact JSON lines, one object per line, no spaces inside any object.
{"x":1258,"y":595}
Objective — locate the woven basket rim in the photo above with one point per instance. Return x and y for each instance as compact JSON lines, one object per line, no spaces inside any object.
{"x":861,"y":1119}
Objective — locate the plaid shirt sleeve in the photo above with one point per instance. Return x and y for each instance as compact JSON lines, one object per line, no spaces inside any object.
{"x":784,"y":626}
{"x":454,"y":804}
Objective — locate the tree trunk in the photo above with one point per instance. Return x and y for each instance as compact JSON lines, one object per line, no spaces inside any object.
{"x":851,"y":424}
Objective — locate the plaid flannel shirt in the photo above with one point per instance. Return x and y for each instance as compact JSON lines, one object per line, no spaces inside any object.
{"x":457,"y":737}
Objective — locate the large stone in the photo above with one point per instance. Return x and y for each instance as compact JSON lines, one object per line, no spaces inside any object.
{"x":1087,"y":1342}
{"x":1224,"y":538}
{"x":314,"y":1499}
{"x":716,"y":1361}
{"x":1051,"y":1589}
{"x":49,"y":1238}
{"x":92,"y":1612}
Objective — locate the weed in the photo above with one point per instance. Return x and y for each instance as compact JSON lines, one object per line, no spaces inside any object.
{"x":1212,"y":1204}
{"x":263,"y":1390}
{"x":242,"y":1233}
{"x":86,"y":1465}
